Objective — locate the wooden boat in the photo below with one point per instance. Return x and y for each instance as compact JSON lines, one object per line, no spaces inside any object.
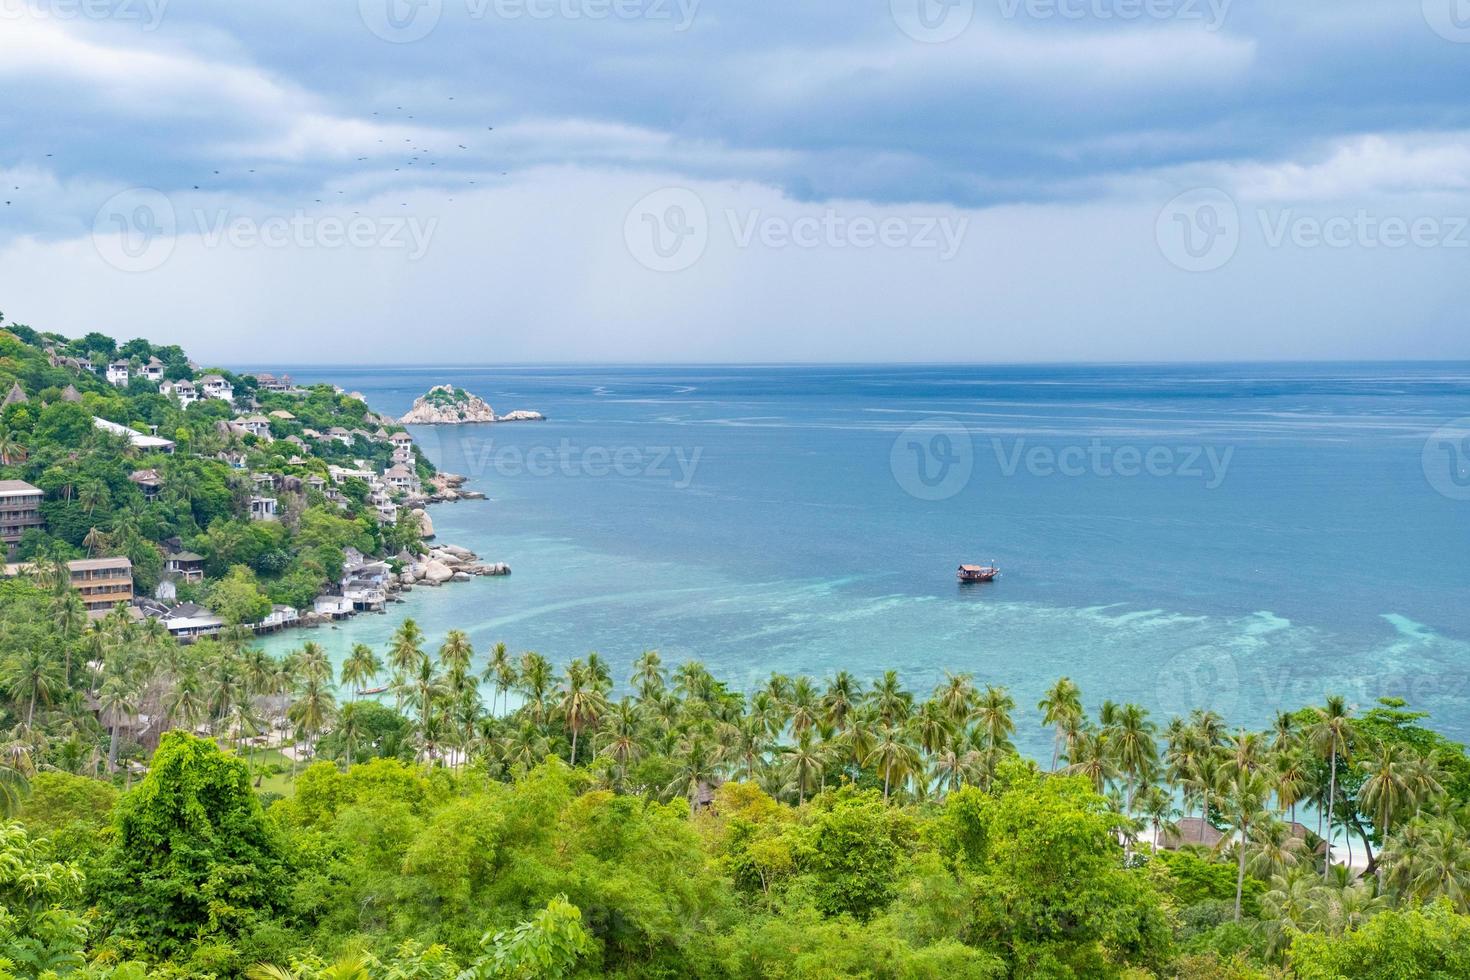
{"x":978,"y":573}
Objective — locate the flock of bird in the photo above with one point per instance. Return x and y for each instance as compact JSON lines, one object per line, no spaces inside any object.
{"x":420,"y":156}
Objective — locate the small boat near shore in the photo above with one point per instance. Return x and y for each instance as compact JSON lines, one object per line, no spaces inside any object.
{"x":978,"y":573}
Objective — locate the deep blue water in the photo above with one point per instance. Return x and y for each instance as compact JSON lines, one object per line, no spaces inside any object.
{"x":1275,"y":532}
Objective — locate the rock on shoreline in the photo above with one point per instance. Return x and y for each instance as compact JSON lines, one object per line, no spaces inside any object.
{"x":447,"y":405}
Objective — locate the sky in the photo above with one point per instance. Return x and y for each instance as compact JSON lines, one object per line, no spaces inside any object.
{"x":381,"y":181}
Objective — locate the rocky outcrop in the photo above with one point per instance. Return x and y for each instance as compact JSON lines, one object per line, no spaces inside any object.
{"x":448,"y":405}
{"x":426,"y":525}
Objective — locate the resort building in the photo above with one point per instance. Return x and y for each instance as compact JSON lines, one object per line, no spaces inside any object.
{"x":269,"y":382}
{"x":185,"y":565}
{"x":103,"y":583}
{"x":188,"y":621}
{"x":152,"y":444}
{"x":262,"y":508}
{"x":257,"y":425}
{"x":149,"y":481}
{"x":214,"y":386}
{"x":16,"y":396}
{"x":20,"y":510}
{"x":153,"y":370}
{"x":402,"y":447}
{"x":400,"y":477}
{"x":183,"y":391}
{"x":117,"y":373}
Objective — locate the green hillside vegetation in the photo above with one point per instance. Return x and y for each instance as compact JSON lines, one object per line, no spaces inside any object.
{"x":91,"y":507}
{"x":430,"y":811}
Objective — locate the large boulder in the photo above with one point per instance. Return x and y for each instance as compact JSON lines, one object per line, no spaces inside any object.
{"x":426,"y":524}
{"x":437,"y":573}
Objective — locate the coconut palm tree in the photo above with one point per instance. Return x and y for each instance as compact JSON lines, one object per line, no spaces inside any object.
{"x":804,"y":763}
{"x":1331,"y":735}
{"x":313,"y":663}
{"x":1272,"y":849}
{"x":648,"y":675}
{"x":536,"y":679}
{"x":115,"y":701}
{"x":993,"y":715}
{"x":956,"y":697}
{"x":840,"y":699}
{"x":894,"y":757}
{"x":1159,"y":813}
{"x":1093,"y":756}
{"x":312,"y":710}
{"x":1244,"y":803}
{"x":1386,"y":793}
{"x":1429,"y":859}
{"x":621,"y":737}
{"x":360,"y":669}
{"x":694,"y":769}
{"x":1061,"y":709}
{"x":33,"y":675}
{"x":581,"y":704}
{"x":890,"y":703}
{"x":457,"y":653}
{"x":933,"y":727}
{"x":405,"y":651}
{"x":12,"y":450}
{"x":1134,"y":747}
{"x":500,"y":672}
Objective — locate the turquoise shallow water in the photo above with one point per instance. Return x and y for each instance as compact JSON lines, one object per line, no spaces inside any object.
{"x":1244,"y":537}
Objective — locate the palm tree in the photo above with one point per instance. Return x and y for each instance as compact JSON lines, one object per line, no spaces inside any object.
{"x":1386,"y":792}
{"x":1428,"y":860}
{"x":500,"y":672}
{"x":405,"y":651}
{"x":70,"y":614}
{"x":313,"y":662}
{"x":694,"y":769}
{"x":115,"y":701}
{"x":648,"y":675}
{"x":893,"y":757}
{"x":1245,"y":801}
{"x":1273,"y":849}
{"x":956,"y":696}
{"x":889,"y":701}
{"x":840,"y":699}
{"x":1134,"y":747}
{"x":620,"y":737}
{"x":361,"y":668}
{"x":1332,"y":737}
{"x":804,"y":763}
{"x":11,"y":448}
{"x":582,"y":704}
{"x":1061,"y":708}
{"x":34,"y":675}
{"x":1157,"y":808}
{"x":746,"y":742}
{"x":934,"y":727}
{"x":536,"y":679}
{"x":993,"y":713}
{"x":312,"y":710}
{"x":457,"y":653}
{"x":1093,"y":756}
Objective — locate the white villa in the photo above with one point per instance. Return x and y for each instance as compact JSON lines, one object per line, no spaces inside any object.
{"x":184,"y":391}
{"x":214,"y":386}
{"x":257,"y":425}
{"x":262,"y":508}
{"x":138,"y":439}
{"x":117,"y":373}
{"x":153,"y":370}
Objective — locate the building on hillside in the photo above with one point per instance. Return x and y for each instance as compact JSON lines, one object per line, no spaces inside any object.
{"x":118,"y":374}
{"x":234,"y":460}
{"x":257,"y":425}
{"x":183,"y":391}
{"x":400,"y":477}
{"x":16,"y":396}
{"x":214,"y":386}
{"x":1192,"y":831}
{"x":283,"y":415}
{"x":188,"y":621}
{"x":153,"y":370}
{"x":402,"y":447}
{"x":70,"y":394}
{"x":102,"y":582}
{"x":262,"y":508}
{"x":340,"y":434}
{"x":149,"y":481}
{"x":147,"y":443}
{"x":185,"y":565}
{"x":20,"y":510}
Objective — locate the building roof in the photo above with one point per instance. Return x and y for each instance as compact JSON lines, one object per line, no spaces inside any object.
{"x":1193,"y":830}
{"x":16,"y":396}
{"x":17,"y":488}
{"x":70,"y":394}
{"x":183,"y":556}
{"x":145,"y":476}
{"x":91,"y":564}
{"x":399,"y":471}
{"x":133,"y":435}
{"x":210,"y":379}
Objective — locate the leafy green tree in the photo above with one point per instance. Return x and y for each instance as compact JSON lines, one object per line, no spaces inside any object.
{"x":1416,"y":942}
{"x":194,"y":856}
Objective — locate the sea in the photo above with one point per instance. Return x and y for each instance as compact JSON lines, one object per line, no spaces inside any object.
{"x":1241,"y":537}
